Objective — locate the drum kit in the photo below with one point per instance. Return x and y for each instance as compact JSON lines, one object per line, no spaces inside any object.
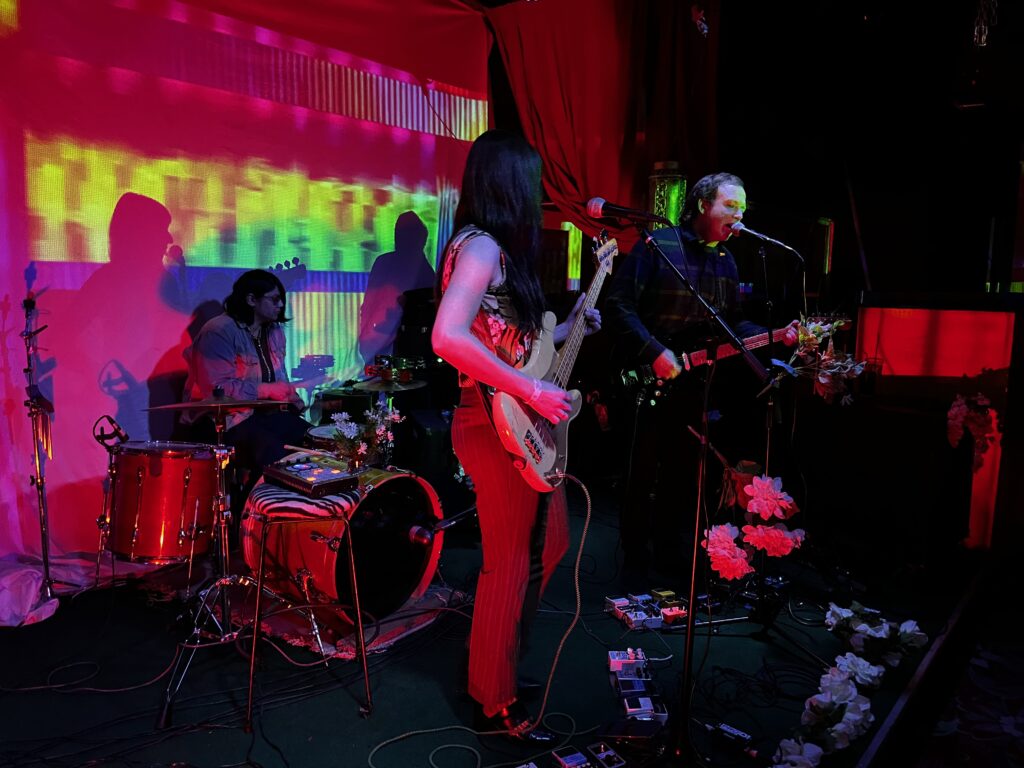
{"x":168,"y":503}
{"x":388,"y":375}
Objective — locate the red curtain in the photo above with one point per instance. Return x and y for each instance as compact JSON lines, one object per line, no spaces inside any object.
{"x":604,"y":88}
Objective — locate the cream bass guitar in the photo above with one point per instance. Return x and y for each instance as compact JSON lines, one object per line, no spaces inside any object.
{"x":539,"y":448}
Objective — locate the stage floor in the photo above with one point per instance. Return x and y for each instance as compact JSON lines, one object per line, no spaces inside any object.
{"x":86,"y":686}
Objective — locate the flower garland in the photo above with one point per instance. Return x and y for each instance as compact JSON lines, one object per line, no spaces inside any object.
{"x":976,"y":415}
{"x":816,"y":357}
{"x":839,"y":712}
{"x":369,"y":442}
{"x":764,"y":501}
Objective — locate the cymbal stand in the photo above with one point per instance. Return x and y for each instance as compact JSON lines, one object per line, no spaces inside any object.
{"x":39,"y":410}
{"x":223,"y":632}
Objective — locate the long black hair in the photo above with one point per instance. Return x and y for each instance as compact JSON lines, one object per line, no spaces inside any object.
{"x":259,"y":283}
{"x":501,"y":195}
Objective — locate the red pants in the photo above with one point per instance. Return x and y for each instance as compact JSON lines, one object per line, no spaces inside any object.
{"x":509,"y":589}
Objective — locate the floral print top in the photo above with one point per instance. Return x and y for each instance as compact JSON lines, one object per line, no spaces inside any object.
{"x":495,"y":323}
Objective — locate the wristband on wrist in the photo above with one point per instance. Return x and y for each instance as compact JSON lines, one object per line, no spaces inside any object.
{"x":535,"y":396}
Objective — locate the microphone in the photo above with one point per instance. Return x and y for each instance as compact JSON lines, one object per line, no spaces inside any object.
{"x":119,"y":431}
{"x":116,"y":429}
{"x":598,"y":207}
{"x":420,"y":535}
{"x":740,"y":228}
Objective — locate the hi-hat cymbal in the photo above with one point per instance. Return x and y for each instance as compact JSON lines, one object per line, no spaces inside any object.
{"x":377,"y":385}
{"x":218,"y":404}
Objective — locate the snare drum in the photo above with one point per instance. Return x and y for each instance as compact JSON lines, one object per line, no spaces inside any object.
{"x":394,"y":546}
{"x":163,"y":498}
{"x":322,"y":437}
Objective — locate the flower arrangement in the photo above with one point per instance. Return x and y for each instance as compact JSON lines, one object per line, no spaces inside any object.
{"x":973,"y":414}
{"x":766,"y":506}
{"x":369,"y":442}
{"x":839,"y":712}
{"x":872,"y":637}
{"x":816,"y":357}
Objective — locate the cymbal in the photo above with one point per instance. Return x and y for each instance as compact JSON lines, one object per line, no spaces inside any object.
{"x":377,"y":385}
{"x":218,"y":404}
{"x":340,"y":392}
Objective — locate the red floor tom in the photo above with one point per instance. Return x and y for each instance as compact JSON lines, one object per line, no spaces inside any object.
{"x":162,"y":510}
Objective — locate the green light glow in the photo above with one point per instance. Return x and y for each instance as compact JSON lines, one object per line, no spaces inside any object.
{"x":8,"y":17}
{"x":223,"y":214}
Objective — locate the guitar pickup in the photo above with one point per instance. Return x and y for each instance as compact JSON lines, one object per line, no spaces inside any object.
{"x":534,"y":446}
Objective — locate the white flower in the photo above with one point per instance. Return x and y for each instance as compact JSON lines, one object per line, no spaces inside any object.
{"x":836,"y":616}
{"x":856,"y":720}
{"x":817,"y":709}
{"x":881,"y":630}
{"x":838,"y":686}
{"x":797,"y":754}
{"x":911,"y":635}
{"x":862,"y":671}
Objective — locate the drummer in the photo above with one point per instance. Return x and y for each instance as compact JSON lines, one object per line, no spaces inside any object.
{"x":242,"y":353}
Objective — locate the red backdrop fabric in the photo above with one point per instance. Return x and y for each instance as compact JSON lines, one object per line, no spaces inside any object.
{"x":604,"y":88}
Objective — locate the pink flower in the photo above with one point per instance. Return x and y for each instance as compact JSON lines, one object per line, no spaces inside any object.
{"x":727,"y":559}
{"x":776,"y":540}
{"x":767,"y":499}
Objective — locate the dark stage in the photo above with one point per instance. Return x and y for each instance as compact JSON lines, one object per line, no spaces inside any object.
{"x":87,"y":686}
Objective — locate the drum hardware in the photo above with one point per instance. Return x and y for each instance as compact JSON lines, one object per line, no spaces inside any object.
{"x":110,"y":442}
{"x":302,"y":577}
{"x":365,"y":709}
{"x":377,"y":521}
{"x":195,"y":641}
{"x":219,"y":406}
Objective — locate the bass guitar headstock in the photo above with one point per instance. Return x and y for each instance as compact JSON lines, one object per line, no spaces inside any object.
{"x":605,"y":250}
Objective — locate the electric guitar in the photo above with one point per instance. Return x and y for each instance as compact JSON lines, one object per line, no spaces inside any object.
{"x":539,"y":448}
{"x":642,"y":378}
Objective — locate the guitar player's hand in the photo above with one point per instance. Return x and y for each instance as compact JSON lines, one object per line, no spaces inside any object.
{"x":792,"y":334}
{"x":592,"y":315}
{"x":667,"y":366}
{"x":553,"y":403}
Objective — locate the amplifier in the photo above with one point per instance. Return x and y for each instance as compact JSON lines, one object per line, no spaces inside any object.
{"x":312,"y":474}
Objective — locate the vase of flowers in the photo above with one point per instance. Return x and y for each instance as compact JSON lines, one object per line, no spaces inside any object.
{"x":766,"y":507}
{"x":369,"y":442}
{"x":816,"y":357}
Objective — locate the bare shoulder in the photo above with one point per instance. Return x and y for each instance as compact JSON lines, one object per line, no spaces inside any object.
{"x":481,"y":255}
{"x":483,"y":246}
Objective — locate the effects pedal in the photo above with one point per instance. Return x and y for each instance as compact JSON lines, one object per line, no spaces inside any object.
{"x":633,"y":686}
{"x":570,"y":757}
{"x":648,"y":707}
{"x":604,"y":756}
{"x":631,"y":659}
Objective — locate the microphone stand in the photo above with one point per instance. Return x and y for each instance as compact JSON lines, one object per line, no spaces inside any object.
{"x":681,"y":723}
{"x":39,"y":409}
